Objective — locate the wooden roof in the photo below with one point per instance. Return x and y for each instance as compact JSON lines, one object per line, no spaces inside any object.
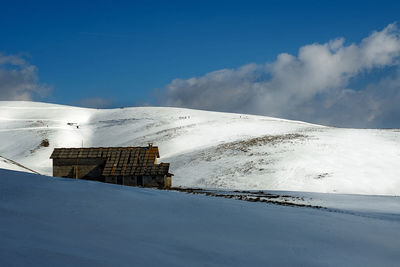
{"x":136,"y":169}
{"x":105,"y":152}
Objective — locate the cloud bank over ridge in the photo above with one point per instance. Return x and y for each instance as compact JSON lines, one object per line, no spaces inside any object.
{"x":19,"y":79}
{"x":315,"y":85}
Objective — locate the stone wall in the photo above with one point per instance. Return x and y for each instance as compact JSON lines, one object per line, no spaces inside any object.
{"x":146,"y":181}
{"x":90,"y":169}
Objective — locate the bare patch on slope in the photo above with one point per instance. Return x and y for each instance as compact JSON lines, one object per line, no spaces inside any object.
{"x":322,"y":176}
{"x":245,"y":145}
{"x":253,"y":196}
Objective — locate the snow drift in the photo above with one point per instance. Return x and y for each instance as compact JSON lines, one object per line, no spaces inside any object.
{"x":47,"y":221}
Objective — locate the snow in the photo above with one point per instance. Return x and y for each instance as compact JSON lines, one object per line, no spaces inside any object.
{"x":11,"y":165}
{"x":6,"y":164}
{"x":213,"y":149}
{"x":47,"y":221}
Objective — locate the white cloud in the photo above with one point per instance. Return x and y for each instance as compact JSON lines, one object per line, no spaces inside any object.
{"x":19,"y":79}
{"x":311,"y":86}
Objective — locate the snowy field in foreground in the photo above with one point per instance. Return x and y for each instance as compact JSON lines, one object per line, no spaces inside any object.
{"x":211,"y":149}
{"x":48,"y":221}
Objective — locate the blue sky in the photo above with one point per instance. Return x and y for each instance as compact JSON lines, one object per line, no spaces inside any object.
{"x":120,"y":53}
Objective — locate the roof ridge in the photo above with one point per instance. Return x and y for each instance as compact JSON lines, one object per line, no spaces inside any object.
{"x":100,"y":152}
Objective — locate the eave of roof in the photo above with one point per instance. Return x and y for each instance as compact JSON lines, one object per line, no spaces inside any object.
{"x":134,"y":170}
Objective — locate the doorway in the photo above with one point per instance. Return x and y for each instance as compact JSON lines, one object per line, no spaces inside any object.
{"x":139,"y":180}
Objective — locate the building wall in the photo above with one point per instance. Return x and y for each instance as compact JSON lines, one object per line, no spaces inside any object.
{"x":167,"y":181}
{"x":153,"y":181}
{"x":90,"y":169}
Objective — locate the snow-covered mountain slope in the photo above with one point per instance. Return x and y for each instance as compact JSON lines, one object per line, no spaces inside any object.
{"x":211,"y":149}
{"x":12,"y":165}
{"x":6,"y":164}
{"x":48,"y":221}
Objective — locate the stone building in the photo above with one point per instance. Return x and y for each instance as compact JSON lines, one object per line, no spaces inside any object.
{"x":134,"y":166}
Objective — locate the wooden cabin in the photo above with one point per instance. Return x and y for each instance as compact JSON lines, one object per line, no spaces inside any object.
{"x":134,"y":166}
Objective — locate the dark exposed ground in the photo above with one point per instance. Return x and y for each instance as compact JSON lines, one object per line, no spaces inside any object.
{"x":251,"y":196}
{"x":243,"y":145}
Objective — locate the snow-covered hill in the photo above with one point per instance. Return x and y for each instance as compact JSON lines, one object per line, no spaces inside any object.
{"x":65,"y":222}
{"x":211,"y":149}
{"x":9,"y":165}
